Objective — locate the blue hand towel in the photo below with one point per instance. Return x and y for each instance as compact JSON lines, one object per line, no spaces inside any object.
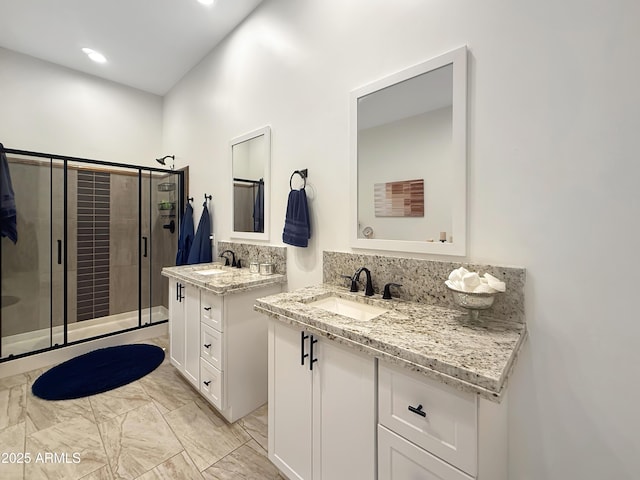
{"x":8,"y":224}
{"x":258,"y":210}
{"x":297,"y":229}
{"x":201,"y":247}
{"x":185,"y":239}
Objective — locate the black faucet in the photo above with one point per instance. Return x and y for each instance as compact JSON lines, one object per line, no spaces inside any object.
{"x":226,"y":260}
{"x":387,"y":290}
{"x":368,"y":289}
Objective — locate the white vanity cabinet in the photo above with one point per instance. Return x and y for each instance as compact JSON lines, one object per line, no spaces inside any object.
{"x":219,"y":344}
{"x":321,"y":407}
{"x":184,"y":329}
{"x":429,"y":430}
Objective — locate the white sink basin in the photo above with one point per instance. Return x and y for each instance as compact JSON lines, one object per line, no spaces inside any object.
{"x":348,"y":308}
{"x":210,"y":271}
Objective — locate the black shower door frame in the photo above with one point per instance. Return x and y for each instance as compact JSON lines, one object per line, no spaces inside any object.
{"x":141,"y":170}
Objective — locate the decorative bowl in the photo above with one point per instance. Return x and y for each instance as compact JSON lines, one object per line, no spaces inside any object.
{"x":474,"y":302}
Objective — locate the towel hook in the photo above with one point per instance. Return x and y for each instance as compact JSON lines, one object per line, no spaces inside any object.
{"x":206,"y":197}
{"x":189,"y":199}
{"x":303,"y":174}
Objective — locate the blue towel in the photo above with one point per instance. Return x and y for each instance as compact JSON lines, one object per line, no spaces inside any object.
{"x":297,"y":229}
{"x":8,"y":225}
{"x":185,"y":239}
{"x":258,"y":209}
{"x":201,"y":247}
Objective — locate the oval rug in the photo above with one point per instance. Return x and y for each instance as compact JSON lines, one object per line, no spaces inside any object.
{"x":98,"y":371}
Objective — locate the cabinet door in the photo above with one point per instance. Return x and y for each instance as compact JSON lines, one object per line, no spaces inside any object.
{"x":344,"y":420}
{"x":192,"y":334}
{"x":290,"y":419}
{"x":176,"y":325}
{"x":399,"y":459}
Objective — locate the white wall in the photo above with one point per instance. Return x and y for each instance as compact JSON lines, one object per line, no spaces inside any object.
{"x":52,"y":109}
{"x":553,"y":179}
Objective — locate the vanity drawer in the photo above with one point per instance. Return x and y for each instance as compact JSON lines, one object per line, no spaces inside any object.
{"x":211,"y":346}
{"x":441,"y":420}
{"x":400,"y":459}
{"x":211,"y":310}
{"x":211,"y":383}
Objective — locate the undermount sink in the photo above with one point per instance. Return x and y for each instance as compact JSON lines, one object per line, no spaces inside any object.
{"x":210,"y":271}
{"x":348,"y":308}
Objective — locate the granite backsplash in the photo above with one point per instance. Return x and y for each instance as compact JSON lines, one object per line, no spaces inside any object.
{"x":248,"y":253}
{"x":423,"y":280}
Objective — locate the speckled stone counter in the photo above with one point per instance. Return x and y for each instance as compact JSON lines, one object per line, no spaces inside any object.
{"x":439,"y":342}
{"x":231,"y":281}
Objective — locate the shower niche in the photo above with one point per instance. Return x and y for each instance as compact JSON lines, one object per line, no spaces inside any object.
{"x":167,"y":204}
{"x":92,"y":241}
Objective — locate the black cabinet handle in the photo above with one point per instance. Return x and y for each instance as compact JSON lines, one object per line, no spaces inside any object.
{"x":177,"y":291}
{"x":207,"y":345}
{"x":207,"y":382}
{"x":303,"y":355}
{"x":418,"y":410}
{"x":313,"y":360}
{"x":144,"y":240}
{"x":180,"y":295}
{"x":59,"y":252}
{"x":207,"y":308}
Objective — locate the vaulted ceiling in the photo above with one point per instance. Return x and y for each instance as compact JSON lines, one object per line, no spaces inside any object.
{"x":148,"y":44}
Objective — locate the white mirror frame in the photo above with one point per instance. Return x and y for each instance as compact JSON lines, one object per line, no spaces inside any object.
{"x":458,"y":58}
{"x":266,"y":131}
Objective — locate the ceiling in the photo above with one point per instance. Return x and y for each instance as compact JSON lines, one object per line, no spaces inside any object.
{"x":149,"y":44}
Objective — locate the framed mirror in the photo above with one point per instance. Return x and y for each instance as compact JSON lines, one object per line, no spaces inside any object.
{"x":250,"y":166}
{"x":408,"y":159}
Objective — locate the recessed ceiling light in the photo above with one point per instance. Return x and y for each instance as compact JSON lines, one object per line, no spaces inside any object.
{"x":206,"y":2}
{"x":95,"y":56}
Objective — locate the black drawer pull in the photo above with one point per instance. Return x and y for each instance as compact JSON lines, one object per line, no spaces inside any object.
{"x":207,"y":345}
{"x":418,"y":410}
{"x":207,"y":308}
{"x":207,"y":382}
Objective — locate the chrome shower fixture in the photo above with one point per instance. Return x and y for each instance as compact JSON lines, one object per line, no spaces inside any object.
{"x":161,"y":161}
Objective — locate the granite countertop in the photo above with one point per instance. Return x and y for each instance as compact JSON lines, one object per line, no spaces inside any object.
{"x":439,"y":342}
{"x":233,"y":279}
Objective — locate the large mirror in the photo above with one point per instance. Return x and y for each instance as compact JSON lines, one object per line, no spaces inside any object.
{"x":408,"y":159}
{"x":250,"y":162}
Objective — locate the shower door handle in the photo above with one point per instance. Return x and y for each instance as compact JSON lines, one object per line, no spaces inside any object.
{"x":144,"y":239}
{"x":59,"y":252}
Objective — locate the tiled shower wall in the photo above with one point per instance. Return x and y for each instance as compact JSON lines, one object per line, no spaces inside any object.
{"x":93,"y":234}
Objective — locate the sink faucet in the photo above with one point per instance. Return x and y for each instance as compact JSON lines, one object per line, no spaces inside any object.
{"x":368,"y":289}
{"x":226,"y":260}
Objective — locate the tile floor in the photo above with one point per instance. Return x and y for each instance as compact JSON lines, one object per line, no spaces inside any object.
{"x":155,"y":428}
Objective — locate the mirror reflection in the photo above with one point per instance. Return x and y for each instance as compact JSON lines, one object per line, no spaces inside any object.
{"x":408,"y":159}
{"x":250,"y":157}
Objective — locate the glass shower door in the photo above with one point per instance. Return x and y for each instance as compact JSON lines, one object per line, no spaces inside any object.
{"x":30,"y":268}
{"x":161,"y":230}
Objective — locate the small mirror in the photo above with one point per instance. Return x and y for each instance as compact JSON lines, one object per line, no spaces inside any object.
{"x":250,"y":162}
{"x":408,"y":159}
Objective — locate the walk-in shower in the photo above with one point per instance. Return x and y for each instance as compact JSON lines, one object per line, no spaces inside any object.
{"x":93,"y":237}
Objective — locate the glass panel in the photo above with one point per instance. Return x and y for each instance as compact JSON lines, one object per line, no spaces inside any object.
{"x":164,"y":207}
{"x":102,"y":278}
{"x":27,"y":276}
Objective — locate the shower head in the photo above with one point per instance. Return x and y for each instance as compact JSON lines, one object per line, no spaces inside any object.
{"x":161,"y":161}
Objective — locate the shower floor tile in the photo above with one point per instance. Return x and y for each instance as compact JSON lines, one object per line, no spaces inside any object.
{"x":150,"y":429}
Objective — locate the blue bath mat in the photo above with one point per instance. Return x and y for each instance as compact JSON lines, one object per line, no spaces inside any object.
{"x":97,"y":371}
